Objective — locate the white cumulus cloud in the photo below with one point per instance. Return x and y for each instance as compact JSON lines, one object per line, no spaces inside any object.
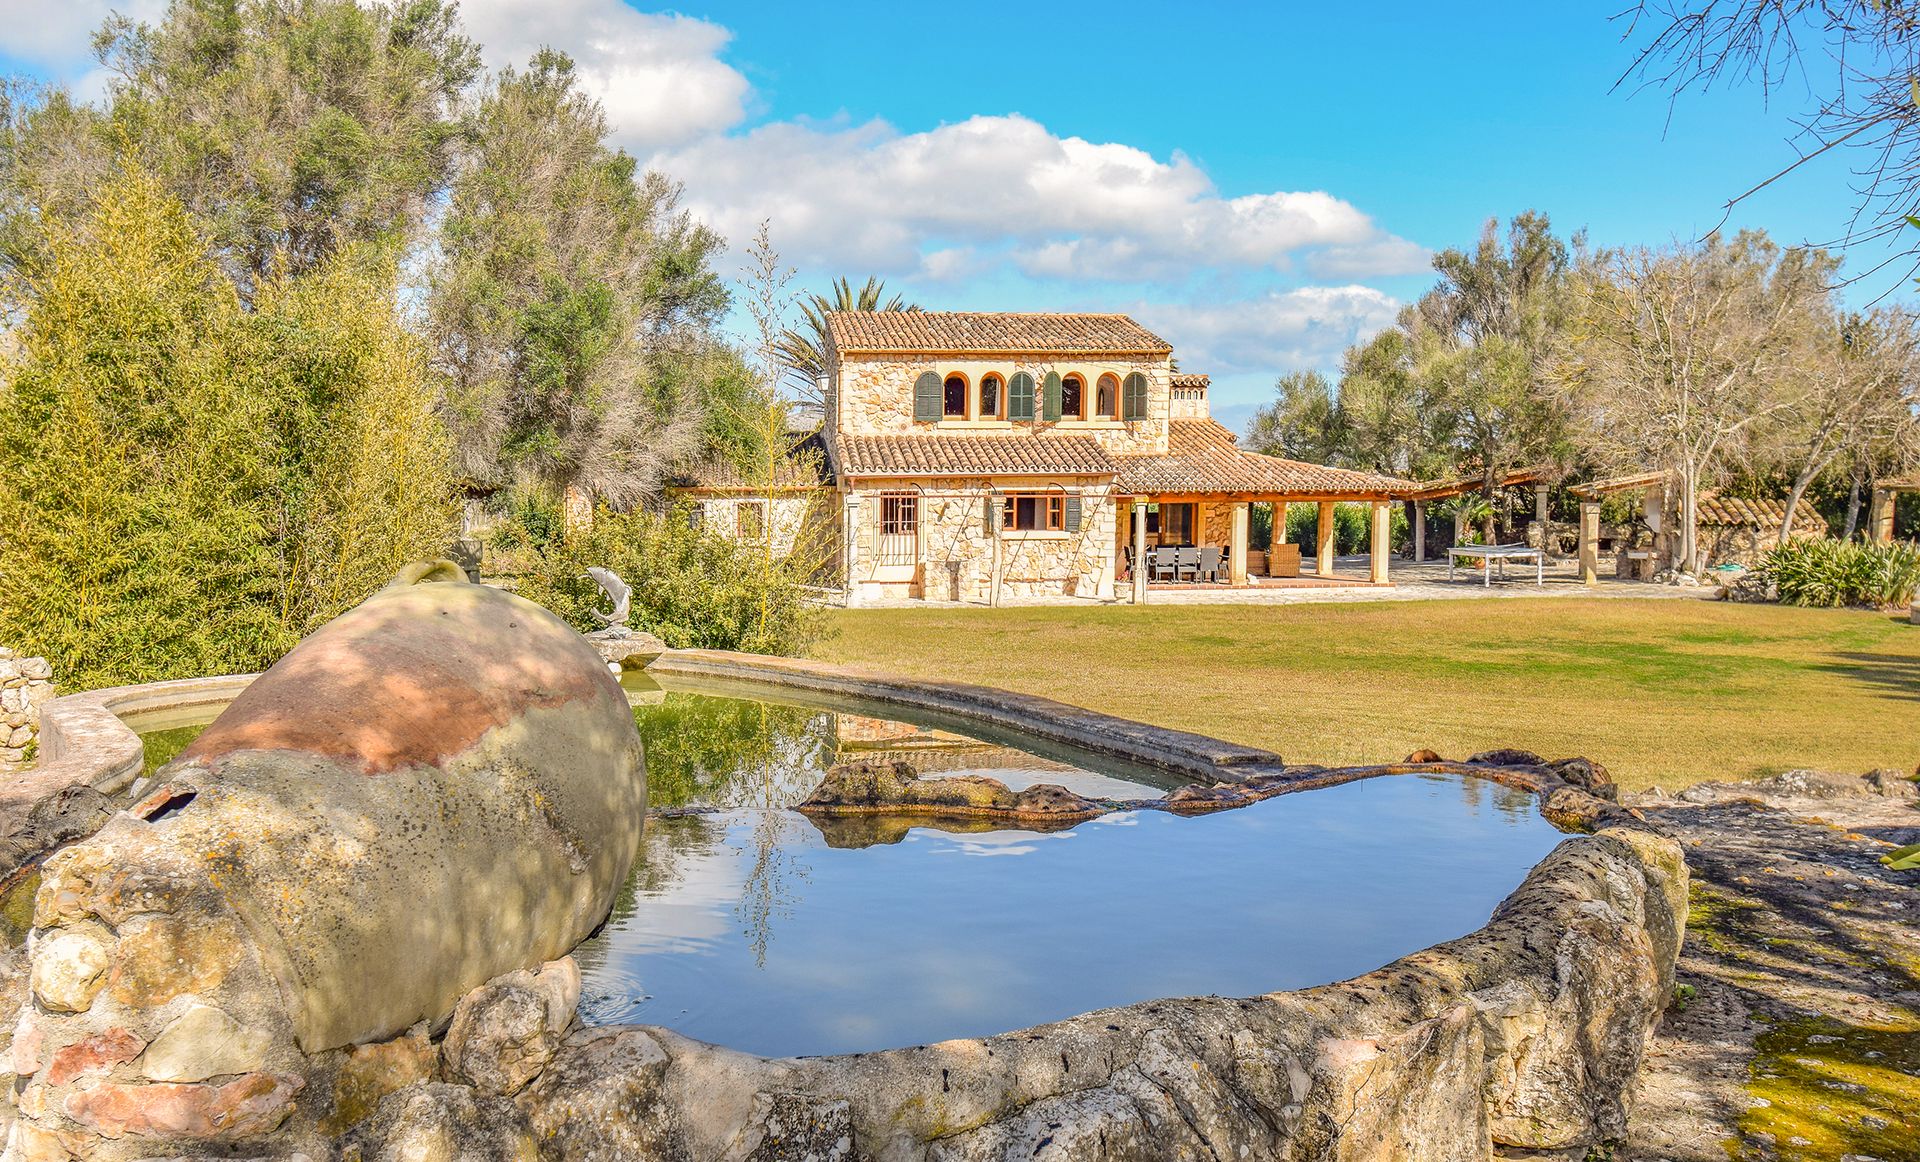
{"x":868,"y":197}
{"x":659,"y":75}
{"x":1278,"y":330}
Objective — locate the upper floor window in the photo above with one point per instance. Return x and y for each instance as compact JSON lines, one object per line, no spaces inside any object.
{"x":956,"y":397}
{"x":1073,"y":390}
{"x":990,"y":391}
{"x":1106,"y":397}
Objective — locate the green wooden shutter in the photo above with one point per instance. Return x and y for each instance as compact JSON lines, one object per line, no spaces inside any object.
{"x":1050,"y":398}
{"x":1134,"y":405}
{"x":1020,"y":397}
{"x":929,"y":404}
{"x":1072,"y":516}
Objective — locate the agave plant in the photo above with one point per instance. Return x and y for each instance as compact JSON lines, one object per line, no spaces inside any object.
{"x":1828,"y":573}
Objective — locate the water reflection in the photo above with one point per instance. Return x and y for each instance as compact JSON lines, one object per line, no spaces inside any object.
{"x":754,"y":928}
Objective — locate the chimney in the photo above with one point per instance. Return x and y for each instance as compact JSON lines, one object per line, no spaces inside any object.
{"x":1189,"y":398}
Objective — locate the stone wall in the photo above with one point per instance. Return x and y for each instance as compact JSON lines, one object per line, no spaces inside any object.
{"x":25,"y":685}
{"x":786,"y":514}
{"x":1526,"y":1035}
{"x":874,"y":397}
{"x":956,"y":545}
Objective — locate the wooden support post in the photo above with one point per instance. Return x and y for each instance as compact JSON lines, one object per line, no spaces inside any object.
{"x":1459,"y":521}
{"x":1279,"y":524}
{"x":1237,"y":551}
{"x":1377,"y":558}
{"x":1589,"y":542}
{"x":1323,"y":552}
{"x":1419,"y":531}
{"x":1139,"y":550}
{"x":1540,"y":519}
{"x":1880,"y":517}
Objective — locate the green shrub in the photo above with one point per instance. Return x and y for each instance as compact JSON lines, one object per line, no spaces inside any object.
{"x":694,"y":588}
{"x":1827,"y":573}
{"x":188,"y":483}
{"x":1352,"y":527}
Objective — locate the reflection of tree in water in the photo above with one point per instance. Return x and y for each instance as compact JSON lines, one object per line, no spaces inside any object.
{"x":734,"y":753}
{"x":730,"y":752}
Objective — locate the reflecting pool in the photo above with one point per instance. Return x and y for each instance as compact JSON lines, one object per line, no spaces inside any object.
{"x":756,"y":928}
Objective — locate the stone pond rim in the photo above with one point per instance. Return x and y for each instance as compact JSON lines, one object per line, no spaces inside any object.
{"x":1525,"y":1033}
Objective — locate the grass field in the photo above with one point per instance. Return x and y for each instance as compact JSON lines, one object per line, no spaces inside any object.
{"x":1667,"y":692}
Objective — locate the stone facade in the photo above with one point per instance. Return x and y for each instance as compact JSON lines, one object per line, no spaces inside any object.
{"x":956,"y":542}
{"x":25,"y":685}
{"x":873,"y":396}
{"x":786,"y":514}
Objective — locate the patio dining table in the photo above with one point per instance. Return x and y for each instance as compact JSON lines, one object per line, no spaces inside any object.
{"x":1502,"y":554}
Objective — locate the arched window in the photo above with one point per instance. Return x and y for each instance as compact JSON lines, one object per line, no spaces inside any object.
{"x":1106,"y":397}
{"x":1072,"y":389}
{"x":956,"y":397}
{"x":990,"y":396}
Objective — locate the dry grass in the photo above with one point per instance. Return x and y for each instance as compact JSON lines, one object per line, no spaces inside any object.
{"x":1667,"y":692}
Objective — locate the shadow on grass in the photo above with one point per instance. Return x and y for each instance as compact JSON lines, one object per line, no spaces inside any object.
{"x":1897,"y":674}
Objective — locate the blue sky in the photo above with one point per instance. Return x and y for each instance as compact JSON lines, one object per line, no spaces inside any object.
{"x":1261,"y":183}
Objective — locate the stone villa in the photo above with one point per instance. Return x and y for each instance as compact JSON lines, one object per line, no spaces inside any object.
{"x":970,"y":456}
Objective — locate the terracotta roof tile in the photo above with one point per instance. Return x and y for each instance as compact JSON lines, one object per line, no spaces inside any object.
{"x":972,"y":456}
{"x":1765,"y":514}
{"x":991,"y":333}
{"x":1183,"y":379}
{"x":1202,"y":457}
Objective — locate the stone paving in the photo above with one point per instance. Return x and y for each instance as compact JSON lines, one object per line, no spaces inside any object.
{"x":1795,"y":1034}
{"x":1424,"y":582}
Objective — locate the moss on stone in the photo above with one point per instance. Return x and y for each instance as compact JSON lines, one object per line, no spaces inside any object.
{"x":1825,"y":1090}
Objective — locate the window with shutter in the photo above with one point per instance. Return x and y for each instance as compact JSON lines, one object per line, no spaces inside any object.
{"x":1050,"y":398}
{"x":1134,"y":398}
{"x":1073,"y":514}
{"x":927,"y":398}
{"x":1020,"y":397}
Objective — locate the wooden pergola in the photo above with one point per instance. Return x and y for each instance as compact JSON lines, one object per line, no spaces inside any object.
{"x":1540,"y":476}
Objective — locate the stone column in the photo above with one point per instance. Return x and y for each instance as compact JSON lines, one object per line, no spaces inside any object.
{"x":1419,"y":531}
{"x":1459,"y":521}
{"x":1880,"y":517}
{"x":1323,"y":552}
{"x":1589,"y":542}
{"x":850,"y":547}
{"x":1377,"y":556}
{"x":1139,"y":550}
{"x":1237,"y":551}
{"x":1540,"y":519}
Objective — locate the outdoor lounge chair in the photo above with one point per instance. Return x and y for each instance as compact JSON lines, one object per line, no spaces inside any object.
{"x":1210,"y":562}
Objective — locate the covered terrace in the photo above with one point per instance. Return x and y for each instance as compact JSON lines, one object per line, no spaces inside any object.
{"x":1201,"y":494}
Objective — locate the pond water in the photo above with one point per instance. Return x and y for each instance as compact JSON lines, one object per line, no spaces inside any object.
{"x":754,"y":927}
{"x":757,"y":929}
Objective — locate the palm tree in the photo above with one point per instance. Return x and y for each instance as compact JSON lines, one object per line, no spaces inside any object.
{"x":802,"y":350}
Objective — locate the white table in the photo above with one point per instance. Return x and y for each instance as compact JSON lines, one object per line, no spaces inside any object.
{"x":1502,"y":554}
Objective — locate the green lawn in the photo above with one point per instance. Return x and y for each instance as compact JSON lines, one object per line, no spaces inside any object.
{"x":1668,"y":692}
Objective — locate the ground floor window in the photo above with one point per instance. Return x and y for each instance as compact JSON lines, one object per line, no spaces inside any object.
{"x":1175,"y":526}
{"x":750,"y":519}
{"x":1042,"y":513}
{"x":899,"y":528}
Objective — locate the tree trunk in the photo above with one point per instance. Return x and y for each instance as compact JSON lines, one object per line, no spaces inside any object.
{"x":1853,"y":500}
{"x":1689,"y":520}
{"x":1794,"y":494}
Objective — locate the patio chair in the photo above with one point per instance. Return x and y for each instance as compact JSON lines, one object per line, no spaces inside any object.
{"x":1187,"y":564}
{"x":1210,"y":562}
{"x":1161,"y":562}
